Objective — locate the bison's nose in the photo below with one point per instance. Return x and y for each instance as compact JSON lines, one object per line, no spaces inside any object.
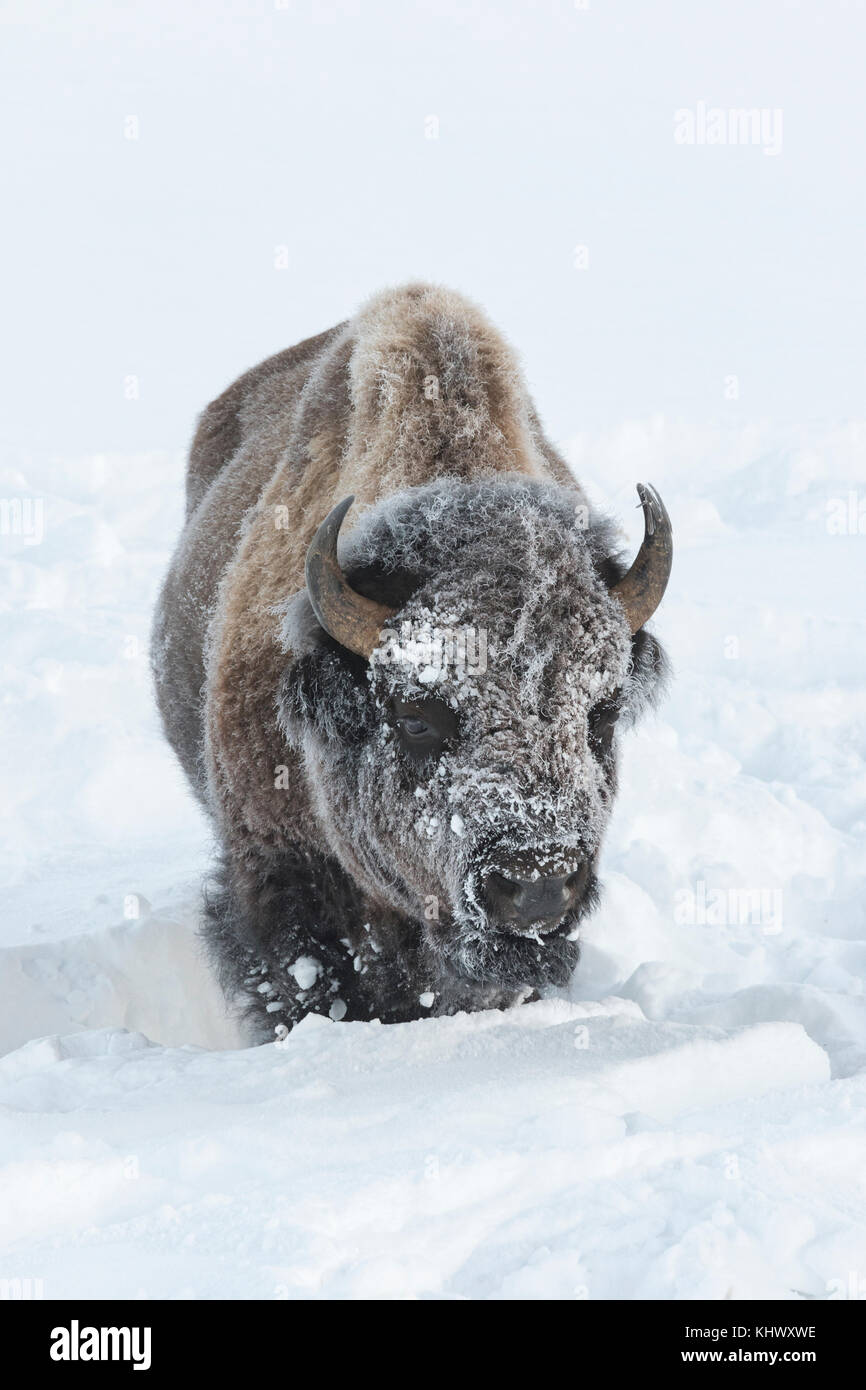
{"x":531,"y":900}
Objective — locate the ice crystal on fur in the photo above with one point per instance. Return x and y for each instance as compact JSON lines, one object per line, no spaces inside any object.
{"x":342,"y":846}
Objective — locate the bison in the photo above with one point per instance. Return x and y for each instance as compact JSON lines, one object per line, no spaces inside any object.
{"x":407,"y":740}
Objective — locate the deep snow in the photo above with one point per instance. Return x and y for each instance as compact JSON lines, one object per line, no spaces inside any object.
{"x":689,"y":1123}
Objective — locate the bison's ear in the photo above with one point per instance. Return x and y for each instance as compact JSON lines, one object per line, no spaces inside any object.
{"x":323,"y":687}
{"x":648,"y":675}
{"x":300,"y":631}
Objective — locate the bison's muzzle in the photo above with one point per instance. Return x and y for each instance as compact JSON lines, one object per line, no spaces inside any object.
{"x":521,"y":903}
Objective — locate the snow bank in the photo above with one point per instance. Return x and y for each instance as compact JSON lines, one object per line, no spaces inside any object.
{"x":560,"y":1151}
{"x":688,"y":1123}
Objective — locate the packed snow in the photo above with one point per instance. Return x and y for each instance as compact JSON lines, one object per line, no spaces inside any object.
{"x":687,"y":1123}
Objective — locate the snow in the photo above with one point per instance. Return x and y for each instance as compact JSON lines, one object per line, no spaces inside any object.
{"x":687,"y":1123}
{"x":306,"y":970}
{"x":388,"y":1165}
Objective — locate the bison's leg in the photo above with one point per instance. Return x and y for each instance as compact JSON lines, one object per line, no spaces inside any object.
{"x":274,"y":929}
{"x":291,"y":936}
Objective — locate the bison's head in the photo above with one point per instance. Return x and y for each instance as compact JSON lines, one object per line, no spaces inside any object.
{"x":457,"y":682}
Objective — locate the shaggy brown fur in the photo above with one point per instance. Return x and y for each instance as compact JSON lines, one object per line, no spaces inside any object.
{"x":418,"y":387}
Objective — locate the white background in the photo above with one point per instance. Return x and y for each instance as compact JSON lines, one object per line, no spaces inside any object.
{"x":304,"y":127}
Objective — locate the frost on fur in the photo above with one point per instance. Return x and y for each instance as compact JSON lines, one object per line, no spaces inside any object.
{"x":381,"y":818}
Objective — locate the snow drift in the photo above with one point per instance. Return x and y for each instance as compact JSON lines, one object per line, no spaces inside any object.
{"x":688,"y":1122}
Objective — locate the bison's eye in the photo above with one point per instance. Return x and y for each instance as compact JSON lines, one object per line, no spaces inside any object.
{"x":414,"y":728}
{"x":424,"y":726}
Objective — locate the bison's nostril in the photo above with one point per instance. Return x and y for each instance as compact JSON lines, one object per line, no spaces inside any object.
{"x":530,"y":900}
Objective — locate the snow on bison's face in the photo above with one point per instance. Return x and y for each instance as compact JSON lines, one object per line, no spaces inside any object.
{"x":458,"y":720}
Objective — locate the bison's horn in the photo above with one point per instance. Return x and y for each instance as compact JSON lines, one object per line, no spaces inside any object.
{"x":641,"y":590}
{"x":352,"y":620}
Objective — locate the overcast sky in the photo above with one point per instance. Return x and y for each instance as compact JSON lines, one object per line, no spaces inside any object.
{"x":192,"y":186}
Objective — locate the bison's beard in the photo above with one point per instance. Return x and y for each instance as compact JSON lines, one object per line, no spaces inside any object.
{"x":476,"y":949}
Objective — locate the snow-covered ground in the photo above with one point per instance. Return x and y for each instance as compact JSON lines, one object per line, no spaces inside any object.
{"x":688,"y":1123}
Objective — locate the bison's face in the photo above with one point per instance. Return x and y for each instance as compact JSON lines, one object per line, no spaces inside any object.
{"x":464,"y":773}
{"x":491,"y":783}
